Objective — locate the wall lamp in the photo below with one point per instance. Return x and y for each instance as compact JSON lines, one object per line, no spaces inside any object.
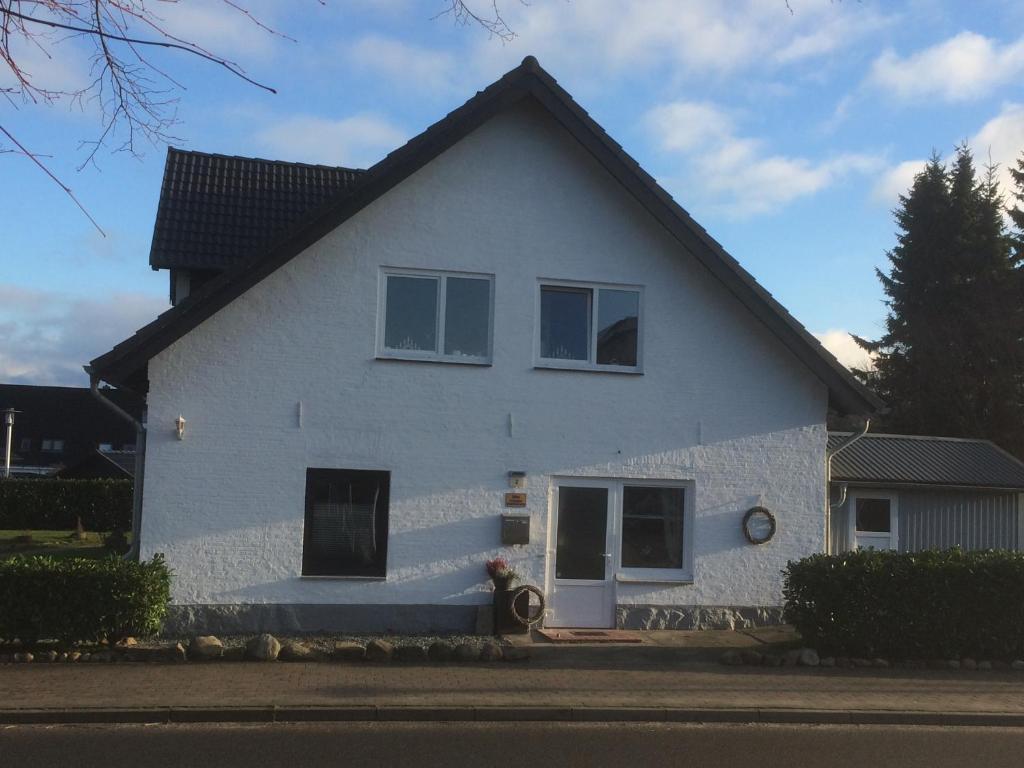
{"x":179,"y":427}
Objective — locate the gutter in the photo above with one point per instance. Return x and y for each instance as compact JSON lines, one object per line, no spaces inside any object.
{"x":140,"y":462}
{"x":831,"y":506}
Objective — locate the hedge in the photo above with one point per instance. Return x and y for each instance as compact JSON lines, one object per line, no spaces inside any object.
{"x":73,"y":598}
{"x":55,"y":505}
{"x":925,"y":605}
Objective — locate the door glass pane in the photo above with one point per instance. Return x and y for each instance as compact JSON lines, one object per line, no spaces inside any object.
{"x":467,"y":314}
{"x":410,"y":321}
{"x":652,"y":527}
{"x":618,"y":316}
{"x":564,"y":323}
{"x":582,"y":532}
{"x":873,"y":515}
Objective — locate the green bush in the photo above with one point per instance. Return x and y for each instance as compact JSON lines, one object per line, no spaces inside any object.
{"x":932,"y":604}
{"x":71,"y":599}
{"x":55,"y":505}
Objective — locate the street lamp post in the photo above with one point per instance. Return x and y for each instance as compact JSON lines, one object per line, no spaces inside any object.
{"x":9,"y":429}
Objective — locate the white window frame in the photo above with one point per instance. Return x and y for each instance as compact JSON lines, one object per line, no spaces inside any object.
{"x":437,"y":356}
{"x":616,"y":497}
{"x":894,"y":518}
{"x":590,"y":364}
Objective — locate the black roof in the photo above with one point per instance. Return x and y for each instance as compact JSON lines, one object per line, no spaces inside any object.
{"x":911,"y":459}
{"x":114,"y":465}
{"x":69,"y":414}
{"x":125,"y":364}
{"x":216,"y":211}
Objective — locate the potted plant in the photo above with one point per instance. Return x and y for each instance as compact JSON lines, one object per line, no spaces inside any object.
{"x":501,"y":573}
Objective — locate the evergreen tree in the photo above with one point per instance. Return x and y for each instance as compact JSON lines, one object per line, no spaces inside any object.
{"x":952,"y":357}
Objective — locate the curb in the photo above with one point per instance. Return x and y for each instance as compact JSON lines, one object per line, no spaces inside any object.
{"x":389,"y":713}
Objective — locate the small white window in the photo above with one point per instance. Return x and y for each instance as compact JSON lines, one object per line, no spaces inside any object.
{"x":589,"y":326}
{"x":873,"y":521}
{"x":438,"y":316}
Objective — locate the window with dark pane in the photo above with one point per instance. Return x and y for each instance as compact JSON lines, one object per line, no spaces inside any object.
{"x":652,"y":527}
{"x":346,"y":532}
{"x":873,"y":516}
{"x":467,"y":313}
{"x":410,"y":321}
{"x":565,"y":323}
{"x":582,"y":532}
{"x":618,"y":318}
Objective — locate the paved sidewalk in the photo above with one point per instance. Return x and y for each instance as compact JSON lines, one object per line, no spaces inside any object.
{"x":501,"y":690}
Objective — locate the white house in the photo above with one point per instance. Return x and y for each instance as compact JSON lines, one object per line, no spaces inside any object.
{"x":509,"y":292}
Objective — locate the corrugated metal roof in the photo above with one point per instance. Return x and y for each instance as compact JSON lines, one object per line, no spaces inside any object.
{"x":925,"y":460}
{"x":217,"y":211}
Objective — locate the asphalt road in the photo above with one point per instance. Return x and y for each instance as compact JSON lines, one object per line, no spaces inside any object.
{"x":492,"y":745}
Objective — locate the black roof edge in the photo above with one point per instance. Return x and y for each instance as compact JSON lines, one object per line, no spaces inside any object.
{"x":846,"y":393}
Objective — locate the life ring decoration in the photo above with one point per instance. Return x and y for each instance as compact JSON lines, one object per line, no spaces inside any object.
{"x":759,"y":525}
{"x":531,"y":618}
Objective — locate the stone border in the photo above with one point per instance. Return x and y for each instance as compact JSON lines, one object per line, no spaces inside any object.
{"x":267,"y":648}
{"x":398,"y":713}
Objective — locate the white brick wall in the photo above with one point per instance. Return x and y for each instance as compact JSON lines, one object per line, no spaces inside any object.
{"x":520,"y":199}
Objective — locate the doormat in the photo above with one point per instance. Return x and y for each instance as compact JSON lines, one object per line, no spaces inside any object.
{"x":590,"y":636}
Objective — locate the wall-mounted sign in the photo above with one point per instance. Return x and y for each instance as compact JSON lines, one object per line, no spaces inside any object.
{"x":515,"y":499}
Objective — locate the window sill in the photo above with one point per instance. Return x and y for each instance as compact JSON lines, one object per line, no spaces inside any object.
{"x":305,"y":577}
{"x":629,"y":578}
{"x":441,"y":360}
{"x":545,"y":365}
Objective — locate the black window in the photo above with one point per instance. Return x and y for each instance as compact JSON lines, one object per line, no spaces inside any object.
{"x":346,"y":531}
{"x":652,"y":527}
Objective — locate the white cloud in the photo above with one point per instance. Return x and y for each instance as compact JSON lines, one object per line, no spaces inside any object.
{"x":357,"y":141}
{"x":1002,"y":140}
{"x":964,"y":67}
{"x":222,"y":29}
{"x":736,"y":172}
{"x":680,"y":37}
{"x":48,"y":336}
{"x":896,"y":181}
{"x":422,"y":69}
{"x":845,"y":349}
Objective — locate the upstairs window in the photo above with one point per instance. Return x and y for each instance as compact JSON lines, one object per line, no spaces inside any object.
{"x":346,"y":529}
{"x":26,"y":444}
{"x":438,"y":316}
{"x":54,"y":446}
{"x":589,"y":327}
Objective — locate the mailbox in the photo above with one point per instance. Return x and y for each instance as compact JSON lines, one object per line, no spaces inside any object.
{"x":515,"y":529}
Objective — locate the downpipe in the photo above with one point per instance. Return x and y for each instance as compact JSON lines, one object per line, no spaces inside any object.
{"x":831,"y":506}
{"x":140,"y":464}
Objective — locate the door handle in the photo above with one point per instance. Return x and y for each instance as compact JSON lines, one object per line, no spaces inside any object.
{"x":606,"y":554}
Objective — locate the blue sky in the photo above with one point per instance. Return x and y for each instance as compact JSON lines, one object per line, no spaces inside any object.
{"x":788,"y":135}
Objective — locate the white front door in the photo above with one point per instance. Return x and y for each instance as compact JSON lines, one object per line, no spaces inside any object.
{"x":582,"y":592}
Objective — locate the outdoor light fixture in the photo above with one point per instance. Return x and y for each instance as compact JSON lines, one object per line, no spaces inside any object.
{"x":179,"y":426}
{"x":516,"y":479}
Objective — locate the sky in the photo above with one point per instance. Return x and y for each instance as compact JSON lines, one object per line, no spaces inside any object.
{"x":787,"y":130}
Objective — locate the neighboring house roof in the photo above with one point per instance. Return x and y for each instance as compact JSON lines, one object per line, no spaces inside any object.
{"x":217,"y":211}
{"x":909,"y":459}
{"x":116,"y":465}
{"x":71,"y":415}
{"x":125,"y":364}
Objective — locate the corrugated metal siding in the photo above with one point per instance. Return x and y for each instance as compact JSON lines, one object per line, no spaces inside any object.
{"x":943,"y":519}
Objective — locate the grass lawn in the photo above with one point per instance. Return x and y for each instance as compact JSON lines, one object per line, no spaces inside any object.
{"x":53,"y":543}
